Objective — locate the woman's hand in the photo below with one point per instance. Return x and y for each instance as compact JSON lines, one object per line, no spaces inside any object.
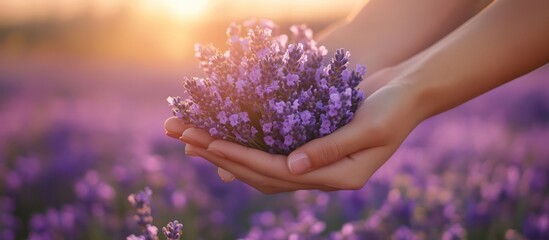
{"x":476,"y":57}
{"x":344,"y":159}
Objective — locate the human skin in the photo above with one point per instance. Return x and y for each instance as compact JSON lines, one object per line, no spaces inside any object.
{"x":383,"y":33}
{"x":506,"y":40}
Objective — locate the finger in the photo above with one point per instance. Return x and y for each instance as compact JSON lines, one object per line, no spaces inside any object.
{"x":263,"y":163}
{"x":352,"y":172}
{"x":196,"y":137}
{"x":175,"y":127}
{"x":328,"y":149}
{"x":369,"y":128}
{"x":225,"y":175}
{"x":384,"y":119}
{"x":260,"y":182}
{"x":190,"y":152}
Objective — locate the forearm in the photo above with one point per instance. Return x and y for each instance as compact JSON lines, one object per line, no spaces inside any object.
{"x":385,"y":32}
{"x":506,"y":40}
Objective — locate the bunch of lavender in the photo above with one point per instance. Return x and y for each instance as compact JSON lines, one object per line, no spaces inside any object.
{"x":269,"y":91}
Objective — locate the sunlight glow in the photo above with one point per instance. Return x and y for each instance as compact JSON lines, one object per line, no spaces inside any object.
{"x":180,"y":9}
{"x":123,"y":29}
{"x":186,"y":8}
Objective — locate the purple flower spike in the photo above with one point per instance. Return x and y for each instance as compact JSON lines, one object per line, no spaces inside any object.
{"x":269,"y":91}
{"x":141,"y":202}
{"x":173,"y":230}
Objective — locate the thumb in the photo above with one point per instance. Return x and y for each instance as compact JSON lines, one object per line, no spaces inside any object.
{"x":328,"y":149}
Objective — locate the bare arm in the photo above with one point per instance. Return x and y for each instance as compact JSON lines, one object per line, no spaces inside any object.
{"x":506,"y":40}
{"x":509,"y":39}
{"x":382,"y":33}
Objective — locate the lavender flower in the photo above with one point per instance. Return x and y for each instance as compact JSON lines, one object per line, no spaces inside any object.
{"x":141,"y":202}
{"x":8,"y":221}
{"x":173,"y":230}
{"x":268,"y":225}
{"x":404,"y":233}
{"x":92,"y":189}
{"x":482,"y":166}
{"x":269,"y":91}
{"x":54,"y":224}
{"x":455,"y":232}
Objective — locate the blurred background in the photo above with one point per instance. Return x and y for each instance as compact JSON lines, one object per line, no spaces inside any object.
{"x":83,"y":87}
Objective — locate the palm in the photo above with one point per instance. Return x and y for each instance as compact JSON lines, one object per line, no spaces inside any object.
{"x":380,"y":124}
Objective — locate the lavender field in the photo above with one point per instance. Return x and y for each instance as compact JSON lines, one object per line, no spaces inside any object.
{"x":77,"y":138}
{"x":81,"y":129}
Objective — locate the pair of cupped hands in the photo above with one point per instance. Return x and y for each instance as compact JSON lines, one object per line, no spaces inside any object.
{"x":343,"y":160}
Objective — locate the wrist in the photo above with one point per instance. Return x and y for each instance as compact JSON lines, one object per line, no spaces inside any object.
{"x":429,"y":83}
{"x":422,"y":96}
{"x":398,"y":90}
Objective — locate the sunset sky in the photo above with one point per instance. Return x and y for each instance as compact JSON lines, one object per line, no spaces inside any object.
{"x":15,"y":11}
{"x":144,"y":29}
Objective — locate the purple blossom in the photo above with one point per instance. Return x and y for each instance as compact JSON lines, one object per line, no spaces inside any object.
{"x":267,"y":92}
{"x":404,"y":233}
{"x":136,"y":237}
{"x":443,"y":173}
{"x":141,"y":202}
{"x":269,"y":140}
{"x":455,"y":232}
{"x":92,"y":189}
{"x":291,"y":79}
{"x":54,"y":224}
{"x":222,"y":117}
{"x":173,"y":230}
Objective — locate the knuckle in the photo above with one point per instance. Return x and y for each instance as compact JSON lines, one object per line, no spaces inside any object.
{"x":379,"y":131}
{"x":329,"y":152}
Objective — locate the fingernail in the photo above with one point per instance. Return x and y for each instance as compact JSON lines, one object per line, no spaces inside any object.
{"x":173,"y":134}
{"x":224,"y":175}
{"x":216,"y":152}
{"x":176,"y":125}
{"x":190,"y":153}
{"x":299,"y":163}
{"x":188,"y":140}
